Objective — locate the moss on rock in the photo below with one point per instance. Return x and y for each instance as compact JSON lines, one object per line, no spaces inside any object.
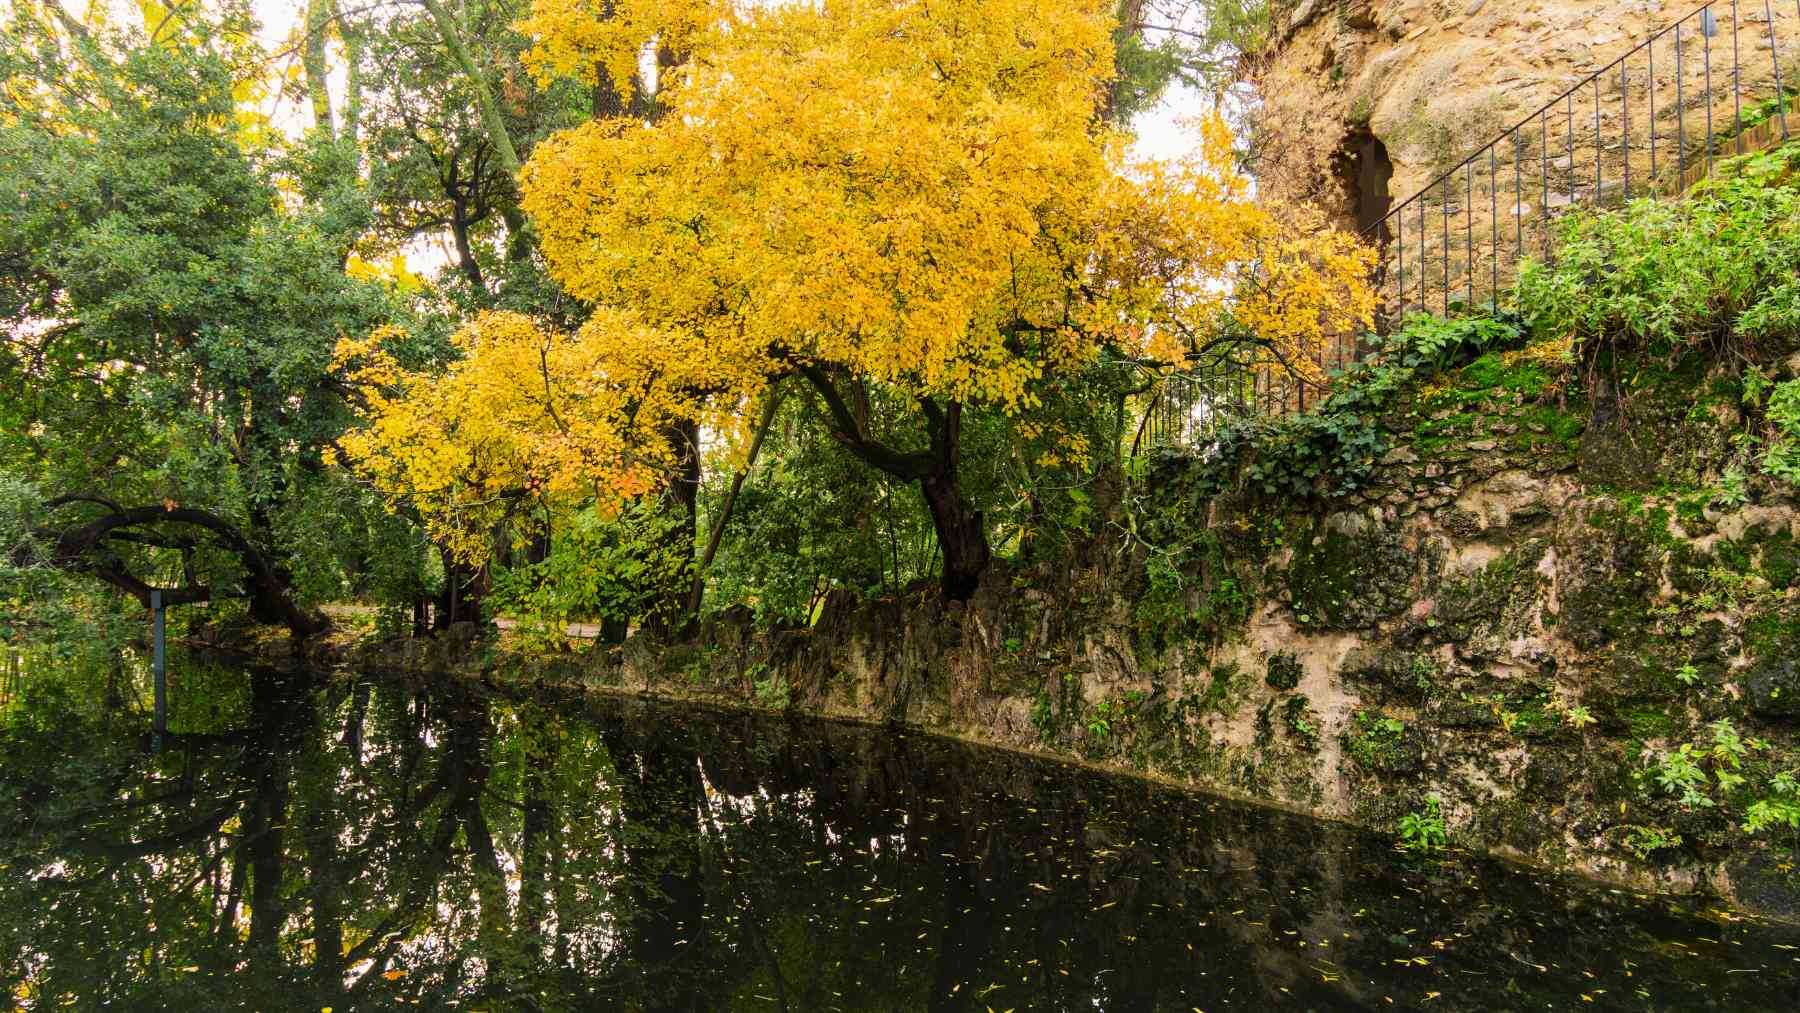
{"x":1350,"y":575}
{"x":1612,"y":568}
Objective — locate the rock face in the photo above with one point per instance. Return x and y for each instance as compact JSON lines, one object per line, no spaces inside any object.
{"x":1365,"y":102}
{"x":1491,"y":619}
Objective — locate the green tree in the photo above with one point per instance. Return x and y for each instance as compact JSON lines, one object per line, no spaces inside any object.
{"x":175,"y":285}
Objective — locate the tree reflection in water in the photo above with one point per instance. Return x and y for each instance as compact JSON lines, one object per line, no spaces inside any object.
{"x":378,"y":844}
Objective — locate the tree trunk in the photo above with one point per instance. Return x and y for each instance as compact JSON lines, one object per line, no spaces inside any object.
{"x":961,"y":533}
{"x":962,"y":536}
{"x":86,"y":548}
{"x":460,"y":599}
{"x":771,"y":402}
{"x":672,"y":616}
{"x":312,"y":61}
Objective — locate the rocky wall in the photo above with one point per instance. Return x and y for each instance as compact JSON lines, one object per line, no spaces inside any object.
{"x":1366,"y":101}
{"x":1539,"y":593}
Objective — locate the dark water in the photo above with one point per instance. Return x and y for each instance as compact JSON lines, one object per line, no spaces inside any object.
{"x":375,"y":846}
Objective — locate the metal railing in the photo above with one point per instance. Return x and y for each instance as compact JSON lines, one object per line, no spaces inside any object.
{"x":1653,"y":122}
{"x":1188,"y":407}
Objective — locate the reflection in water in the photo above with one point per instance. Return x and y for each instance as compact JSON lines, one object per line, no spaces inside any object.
{"x":374,"y":845}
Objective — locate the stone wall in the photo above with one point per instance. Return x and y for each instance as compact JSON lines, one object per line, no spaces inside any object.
{"x":1537,"y":593}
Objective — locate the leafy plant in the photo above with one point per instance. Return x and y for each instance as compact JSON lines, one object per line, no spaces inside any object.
{"x":1578,"y":717}
{"x":598,"y":567}
{"x":1733,"y":488}
{"x":1377,"y":742}
{"x":1425,"y":669}
{"x":1678,"y":772}
{"x":1334,"y":447}
{"x":1424,"y":832}
{"x":1780,"y":808}
{"x":1301,"y":722}
{"x":1665,"y":276}
{"x":774,"y":692}
{"x":1781,"y":459}
{"x":1643,"y":841}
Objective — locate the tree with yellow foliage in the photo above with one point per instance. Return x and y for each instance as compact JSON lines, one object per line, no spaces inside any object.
{"x":918,"y":197}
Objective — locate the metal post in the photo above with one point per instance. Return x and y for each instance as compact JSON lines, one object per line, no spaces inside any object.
{"x":158,"y":671}
{"x":1544,"y":179}
{"x":1680,"y":119}
{"x":1518,"y":195}
{"x":1706,"y":35}
{"x":1446,"y":250}
{"x":1775,"y":59}
{"x":1737,"y":91}
{"x":1650,"y":96}
{"x":1625,"y":125}
{"x":1599,"y":150}
{"x":1469,"y":230}
{"x":1569,"y":104}
{"x":1424,"y":306}
{"x":1400,"y":269}
{"x":1493,"y":227}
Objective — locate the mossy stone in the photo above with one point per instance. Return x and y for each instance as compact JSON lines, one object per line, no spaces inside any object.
{"x":1482,"y":600}
{"x":1615,"y":568}
{"x":1616,"y":456}
{"x":1780,"y":562}
{"x":1400,"y":675}
{"x":1350,"y":576}
{"x":1772,"y":684}
{"x":1284,"y":671}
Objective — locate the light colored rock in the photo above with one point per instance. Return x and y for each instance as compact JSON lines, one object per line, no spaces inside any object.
{"x":1303,"y":15}
{"x":1435,"y":80}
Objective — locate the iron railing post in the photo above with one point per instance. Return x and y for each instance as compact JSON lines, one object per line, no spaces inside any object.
{"x":1775,"y":62}
{"x":1680,"y":117}
{"x":1737,"y":91}
{"x":1708,"y":25}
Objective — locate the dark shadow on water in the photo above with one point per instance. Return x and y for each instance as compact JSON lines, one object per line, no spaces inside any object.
{"x":374,"y":846}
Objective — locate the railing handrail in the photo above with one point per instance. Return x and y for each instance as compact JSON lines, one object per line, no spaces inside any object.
{"x":1539,"y":111}
{"x":1458,"y":261}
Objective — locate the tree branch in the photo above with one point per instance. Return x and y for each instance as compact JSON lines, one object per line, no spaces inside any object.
{"x":770,"y":403}
{"x":909,"y":467}
{"x":73,"y":549}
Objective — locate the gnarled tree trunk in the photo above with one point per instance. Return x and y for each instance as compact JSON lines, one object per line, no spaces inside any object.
{"x":961,"y":532}
{"x":90,"y":547}
{"x":961,"y":529}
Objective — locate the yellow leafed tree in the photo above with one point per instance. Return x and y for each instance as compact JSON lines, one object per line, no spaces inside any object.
{"x":918,"y":195}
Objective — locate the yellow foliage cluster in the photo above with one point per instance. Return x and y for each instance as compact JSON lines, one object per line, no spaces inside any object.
{"x":920,"y":194}
{"x":917,"y":194}
{"x":392,"y":272}
{"x":582,"y":39}
{"x":525,"y":418}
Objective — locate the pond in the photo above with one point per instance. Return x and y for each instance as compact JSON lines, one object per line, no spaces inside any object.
{"x":371,"y":844}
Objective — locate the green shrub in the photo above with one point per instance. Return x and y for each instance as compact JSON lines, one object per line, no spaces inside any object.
{"x":1377,"y":742}
{"x":1334,"y":447}
{"x":1424,"y":832}
{"x":598,"y":567}
{"x":1667,"y":275}
{"x":774,"y":692}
